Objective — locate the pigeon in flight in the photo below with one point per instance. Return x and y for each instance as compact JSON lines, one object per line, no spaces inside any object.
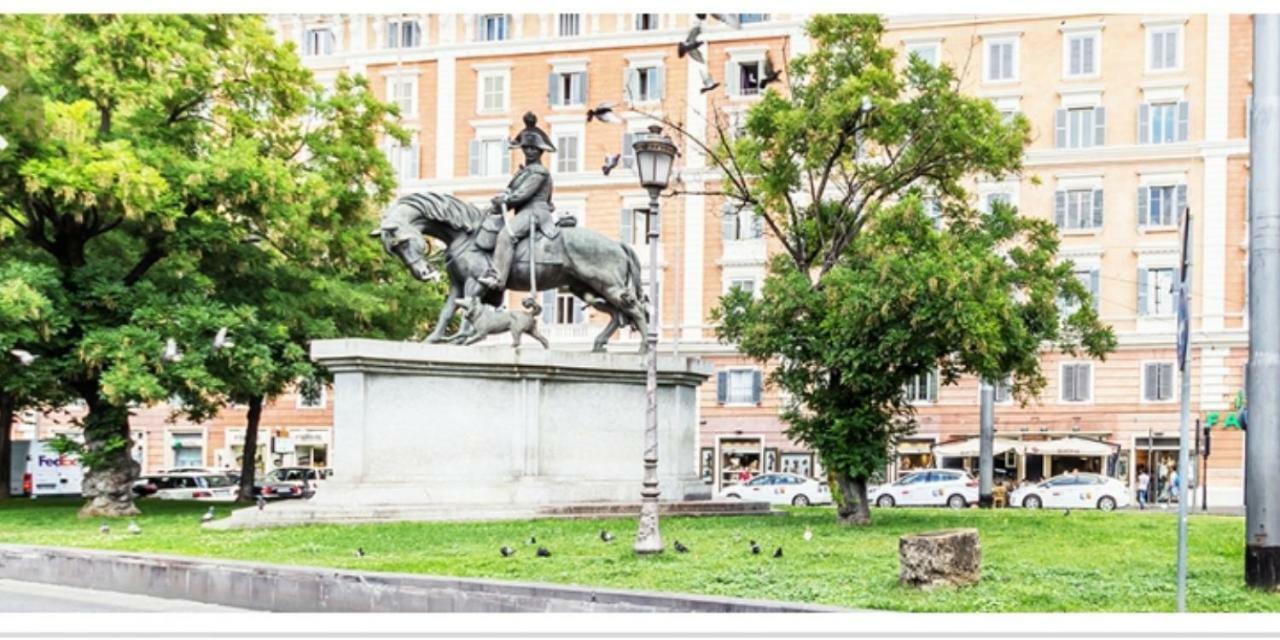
{"x":220,"y":341}
{"x":729,"y":19}
{"x":605,"y":536}
{"x":104,"y":528}
{"x":680,"y":548}
{"x":692,"y":45}
{"x":778,"y":553}
{"x":604,"y":113}
{"x":543,"y":553}
{"x":208,"y":516}
{"x":134,"y":528}
{"x":769,"y":74}
{"x":25,"y":358}
{"x":808,"y":534}
{"x":171,"y":351}
{"x":506,"y":551}
{"x":611,"y":163}
{"x":708,"y":83}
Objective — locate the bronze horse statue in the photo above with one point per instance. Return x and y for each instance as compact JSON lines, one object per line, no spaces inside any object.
{"x":604,"y":273}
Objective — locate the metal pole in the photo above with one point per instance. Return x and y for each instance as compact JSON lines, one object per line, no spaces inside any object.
{"x":648,"y":536}
{"x":1262,"y":439}
{"x":986,"y":443}
{"x":1203,"y":476}
{"x":1184,"y":423}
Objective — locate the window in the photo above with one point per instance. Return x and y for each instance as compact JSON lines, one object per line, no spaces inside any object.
{"x":403,"y":92}
{"x":1078,"y":209}
{"x":493,"y":92}
{"x":748,"y":78}
{"x":1081,"y":127}
{"x":1089,"y":278}
{"x":1158,"y":205}
{"x":1155,"y":291}
{"x":567,"y":89}
{"x":922,"y":388}
{"x":1077,"y":382}
{"x":752,"y":18}
{"x":743,"y":225}
{"x":989,"y":201}
{"x":746,"y":284}
{"x":1082,"y":55}
{"x":1002,"y":60}
{"x":646,"y":21}
{"x":1157,"y":381}
{"x":1003,"y":391}
{"x":932,"y":209}
{"x":1163,"y":122}
{"x":570,"y":24}
{"x":634,"y":226}
{"x":739,"y":386}
{"x":403,"y":34}
{"x":568,"y":153}
{"x":927,"y":51}
{"x":404,"y":160}
{"x":628,"y":150}
{"x":1163,"y":52}
{"x":188,"y":450}
{"x":319,"y":41}
{"x":491,"y":27}
{"x":644,"y":84}
{"x":560,"y":308}
{"x":310,"y":395}
{"x":490,"y":157}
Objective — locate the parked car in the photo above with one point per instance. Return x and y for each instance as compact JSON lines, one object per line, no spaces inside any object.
{"x":927,"y":488}
{"x":213,"y":487}
{"x":779,"y":488}
{"x":290,"y":482}
{"x":1073,"y":491}
{"x":42,"y":470}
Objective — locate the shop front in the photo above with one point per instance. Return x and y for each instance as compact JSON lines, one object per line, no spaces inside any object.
{"x":963,"y":454}
{"x":1033,"y":460}
{"x":232,"y":456}
{"x":310,"y":447}
{"x":1158,"y":455}
{"x":738,"y":459}
{"x":911,"y":454}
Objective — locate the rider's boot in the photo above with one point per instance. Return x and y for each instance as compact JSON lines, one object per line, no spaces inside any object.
{"x":496,"y":277}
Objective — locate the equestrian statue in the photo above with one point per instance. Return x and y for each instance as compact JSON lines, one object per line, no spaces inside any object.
{"x":485,"y":255}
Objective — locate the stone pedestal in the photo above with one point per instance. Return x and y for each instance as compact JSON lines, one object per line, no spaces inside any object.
{"x":445,"y":432}
{"x":951,"y":557}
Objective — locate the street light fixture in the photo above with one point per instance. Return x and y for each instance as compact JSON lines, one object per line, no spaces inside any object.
{"x":655,"y":155}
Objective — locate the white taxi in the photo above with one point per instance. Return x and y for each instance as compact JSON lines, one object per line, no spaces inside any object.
{"x":928,"y":488}
{"x":779,"y":488}
{"x":1073,"y":491}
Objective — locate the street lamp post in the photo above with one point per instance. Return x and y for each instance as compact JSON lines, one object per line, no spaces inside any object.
{"x":655,"y":155}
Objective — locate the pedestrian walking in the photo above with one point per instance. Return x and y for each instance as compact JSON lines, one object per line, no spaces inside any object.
{"x":1144,"y":483}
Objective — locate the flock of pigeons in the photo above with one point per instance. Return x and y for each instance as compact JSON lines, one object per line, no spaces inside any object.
{"x":691,"y":46}
{"x":171,"y":351}
{"x":607,"y":537}
{"x":134,"y":529}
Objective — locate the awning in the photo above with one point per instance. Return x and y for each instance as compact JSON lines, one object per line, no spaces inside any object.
{"x":1068,"y":447}
{"x":912,"y":447}
{"x":969,"y":448}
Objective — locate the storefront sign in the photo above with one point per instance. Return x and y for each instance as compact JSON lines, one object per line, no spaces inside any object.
{"x":309,"y":437}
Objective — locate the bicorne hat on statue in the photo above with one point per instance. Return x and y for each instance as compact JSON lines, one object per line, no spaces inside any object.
{"x":532,"y":135}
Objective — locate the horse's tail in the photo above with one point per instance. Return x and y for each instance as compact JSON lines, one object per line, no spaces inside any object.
{"x":634,"y":278}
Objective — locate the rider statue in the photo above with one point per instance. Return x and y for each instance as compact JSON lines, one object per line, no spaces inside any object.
{"x":529,"y":195}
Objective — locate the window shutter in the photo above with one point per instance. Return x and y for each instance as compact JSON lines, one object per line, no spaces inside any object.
{"x":549,"y":306}
{"x":932,"y":378}
{"x":1060,"y":208}
{"x":1097,"y":208}
{"x":506,"y":159}
{"x":1182,"y":202}
{"x":732,"y":85}
{"x":553,"y":89}
{"x":1060,"y":120}
{"x":722,"y":386}
{"x":580,"y":93}
{"x":1083,"y":371}
{"x":1143,"y":206}
{"x":1144,"y":123}
{"x":1142,"y":291}
{"x":1099,"y":126}
{"x":625,"y":225}
{"x":414,"y":152}
{"x":660,"y":90}
{"x":473,"y":155}
{"x":1166,"y":382}
{"x":1006,"y":61}
{"x":757,"y":385}
{"x":1150,"y":381}
{"x":1184,"y":113}
{"x":757,"y":226}
{"x":631,"y":81}
{"x":1069,"y":382}
{"x":729,"y":226}
{"x":1086,"y":62}
{"x":1094,"y":289}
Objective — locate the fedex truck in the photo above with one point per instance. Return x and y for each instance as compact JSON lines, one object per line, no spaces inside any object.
{"x":43,"y":471}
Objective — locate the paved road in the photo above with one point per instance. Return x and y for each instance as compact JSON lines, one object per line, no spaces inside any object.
{"x":31,"y":597}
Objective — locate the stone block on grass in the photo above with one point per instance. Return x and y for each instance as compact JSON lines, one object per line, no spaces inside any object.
{"x":952,"y":557}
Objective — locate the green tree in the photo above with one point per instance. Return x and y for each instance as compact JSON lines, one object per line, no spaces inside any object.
{"x":181,"y":165}
{"x":870,"y":291}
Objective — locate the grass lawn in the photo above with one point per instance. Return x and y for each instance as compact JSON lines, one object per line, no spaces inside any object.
{"x":1032,"y":561}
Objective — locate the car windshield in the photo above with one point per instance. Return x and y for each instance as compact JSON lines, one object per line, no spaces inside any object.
{"x":217,"y":481}
{"x":760,"y":480}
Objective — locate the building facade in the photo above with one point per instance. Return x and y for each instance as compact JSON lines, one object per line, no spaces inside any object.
{"x":1133,"y":117}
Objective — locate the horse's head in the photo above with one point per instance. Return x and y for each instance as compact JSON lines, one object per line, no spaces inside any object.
{"x":404,"y":241}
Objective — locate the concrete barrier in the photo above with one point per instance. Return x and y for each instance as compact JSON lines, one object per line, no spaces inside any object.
{"x":269,"y":587}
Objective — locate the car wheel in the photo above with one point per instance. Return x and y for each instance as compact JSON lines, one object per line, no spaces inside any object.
{"x":1107,"y":503}
{"x":800,"y":501}
{"x":956,"y":501}
{"x":1031,"y":502}
{"x":885,"y":501}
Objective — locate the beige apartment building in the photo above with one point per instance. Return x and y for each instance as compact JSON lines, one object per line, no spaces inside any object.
{"x":1133,"y":117}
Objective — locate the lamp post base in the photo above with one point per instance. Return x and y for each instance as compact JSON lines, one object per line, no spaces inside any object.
{"x":1262,"y":567}
{"x":648,"y":536}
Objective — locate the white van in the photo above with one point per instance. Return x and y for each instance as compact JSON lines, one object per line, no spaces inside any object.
{"x":45,"y":472}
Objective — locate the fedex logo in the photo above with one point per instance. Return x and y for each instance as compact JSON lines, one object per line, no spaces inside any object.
{"x":60,"y":461}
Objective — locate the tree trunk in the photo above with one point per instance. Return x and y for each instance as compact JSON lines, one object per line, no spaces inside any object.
{"x":109,"y":468}
{"x":853,"y":510}
{"x":249,"y":458}
{"x":6,"y":444}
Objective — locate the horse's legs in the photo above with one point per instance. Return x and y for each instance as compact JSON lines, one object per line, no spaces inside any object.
{"x":446,"y":314}
{"x":604,"y":336}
